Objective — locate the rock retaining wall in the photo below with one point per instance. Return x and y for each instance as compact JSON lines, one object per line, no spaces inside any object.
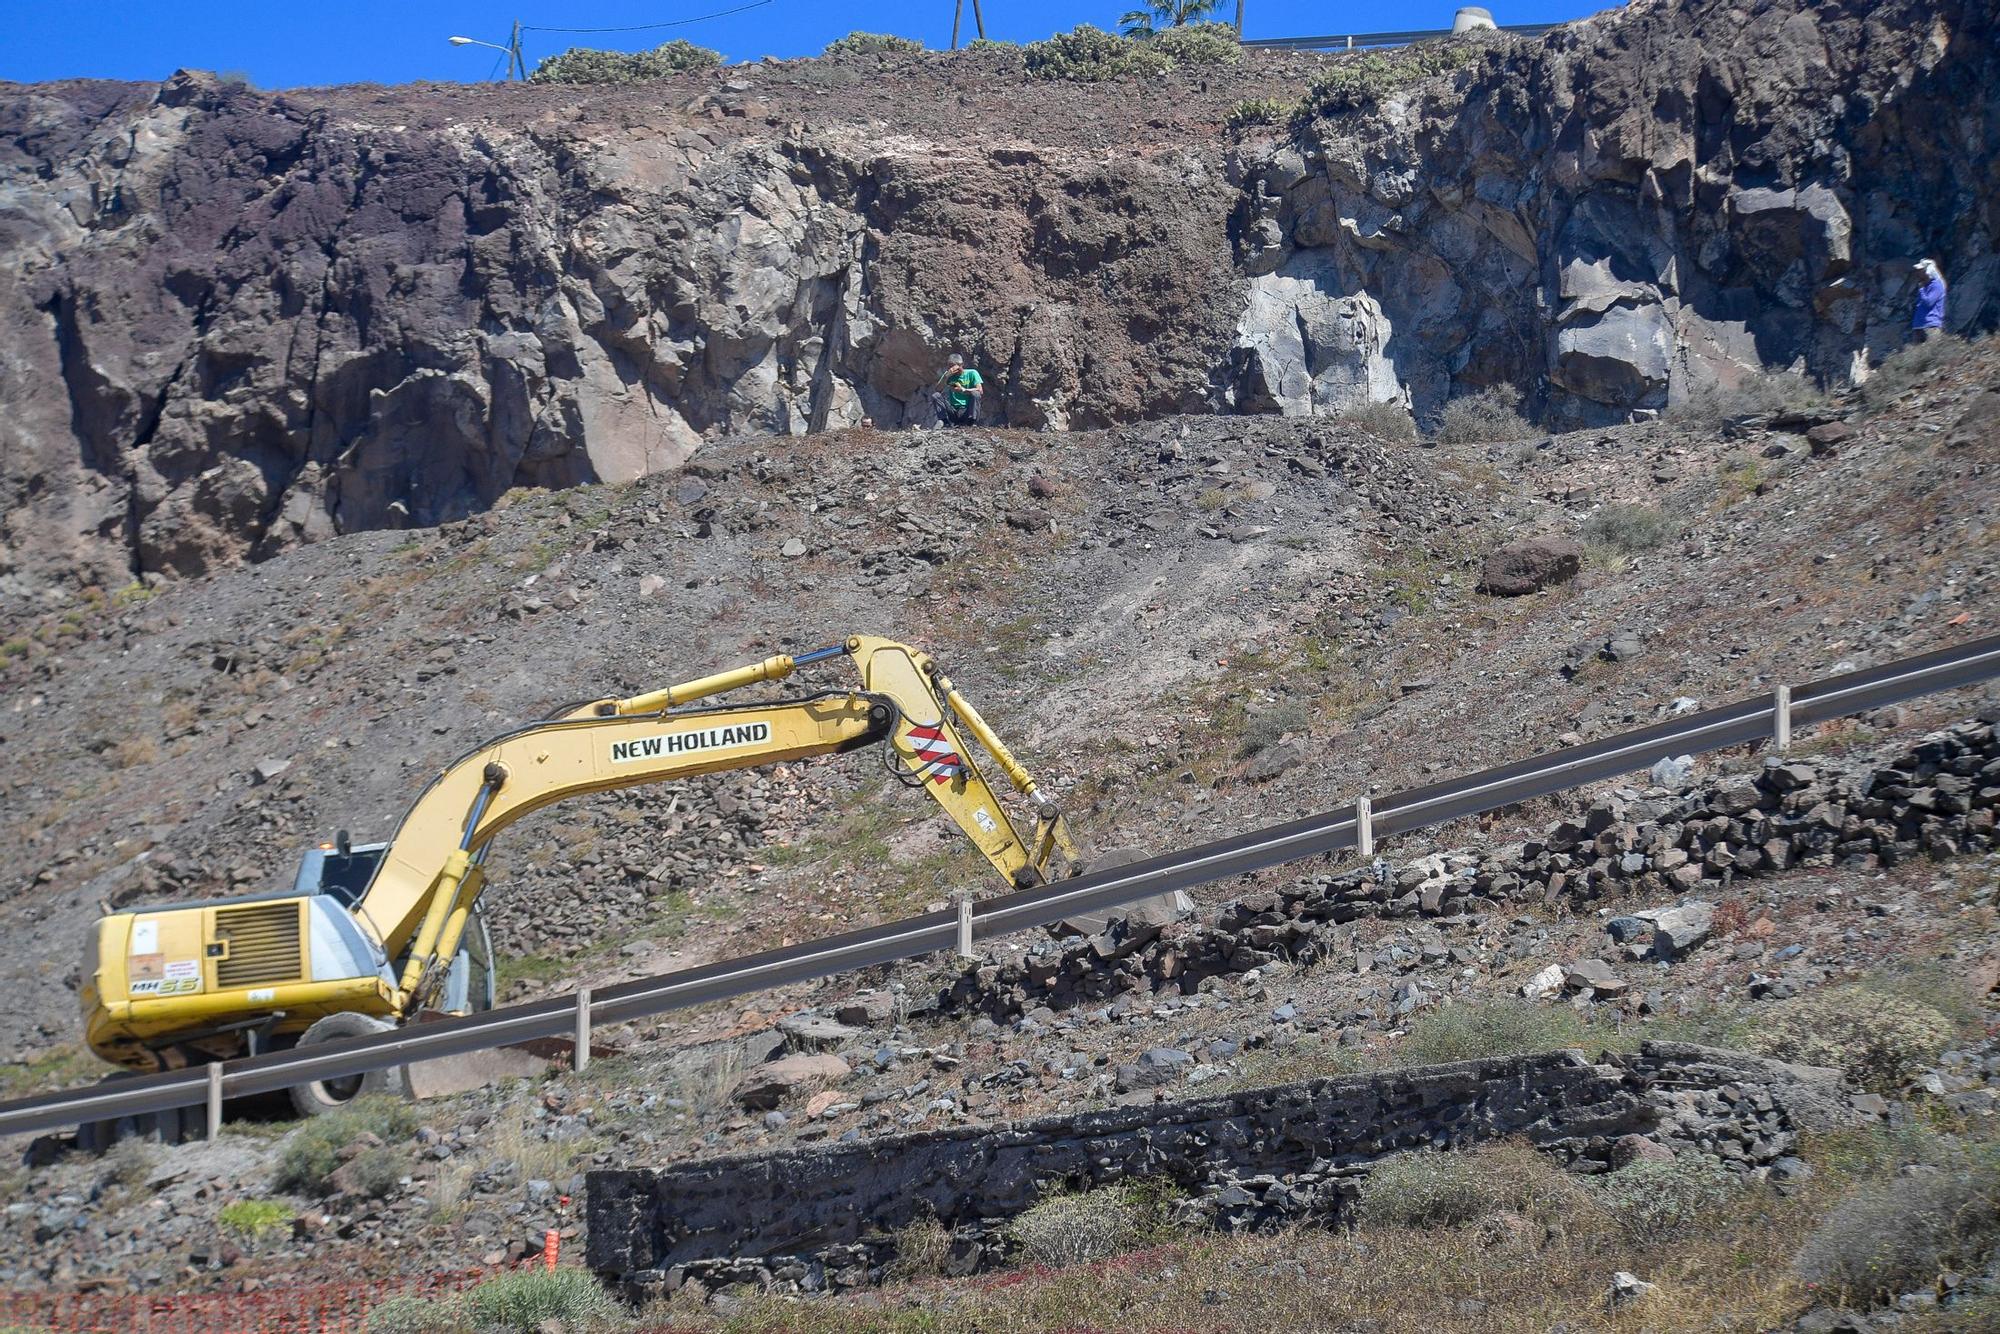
{"x":826,"y":1217}
{"x":1937,"y":797}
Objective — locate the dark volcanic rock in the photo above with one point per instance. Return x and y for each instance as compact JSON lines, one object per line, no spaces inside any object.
{"x":241,"y":320}
{"x":1528,"y":567}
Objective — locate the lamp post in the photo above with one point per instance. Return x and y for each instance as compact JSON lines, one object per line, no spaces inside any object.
{"x":517,"y":64}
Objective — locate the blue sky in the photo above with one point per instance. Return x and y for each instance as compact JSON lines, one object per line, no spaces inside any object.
{"x":285,"y":44}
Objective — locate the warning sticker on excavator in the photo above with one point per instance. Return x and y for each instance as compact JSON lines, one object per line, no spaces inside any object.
{"x":936,"y":759}
{"x":681,"y":743}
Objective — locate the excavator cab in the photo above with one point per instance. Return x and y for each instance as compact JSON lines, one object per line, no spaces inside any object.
{"x":339,"y":869}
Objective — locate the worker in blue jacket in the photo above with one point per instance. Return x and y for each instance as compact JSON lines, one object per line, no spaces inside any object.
{"x":1927,"y":322}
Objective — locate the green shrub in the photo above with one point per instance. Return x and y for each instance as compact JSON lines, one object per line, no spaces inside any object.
{"x":521,"y":1302}
{"x":313,"y":1151}
{"x":1485,"y":1029}
{"x":1384,"y":421}
{"x":872,"y":44}
{"x":1257,"y":111}
{"x":1359,"y":82}
{"x":1077,"y":1229}
{"x":1432,"y":1189}
{"x":1194,"y":44}
{"x":582,"y":64}
{"x":1887,"y":1238}
{"x":254,"y":1218}
{"x":993,"y":44}
{"x":1906,"y":369}
{"x":407,"y":1314}
{"x":1882,"y":1040}
{"x":1626,"y":529}
{"x":1087,"y":54}
{"x":1665,"y":1199}
{"x":1492,"y":414}
{"x":1767,"y":394}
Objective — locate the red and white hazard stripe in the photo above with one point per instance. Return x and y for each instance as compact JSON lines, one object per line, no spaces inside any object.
{"x":938,"y":761}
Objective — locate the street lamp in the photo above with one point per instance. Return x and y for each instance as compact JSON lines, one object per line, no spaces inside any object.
{"x":517,"y":64}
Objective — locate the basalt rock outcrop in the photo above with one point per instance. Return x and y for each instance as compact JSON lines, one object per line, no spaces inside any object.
{"x":238,"y":321}
{"x":1635,"y":211}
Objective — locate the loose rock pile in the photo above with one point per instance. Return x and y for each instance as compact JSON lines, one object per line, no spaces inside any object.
{"x":1935,"y":798}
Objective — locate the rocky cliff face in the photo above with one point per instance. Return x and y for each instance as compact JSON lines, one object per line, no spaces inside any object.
{"x":1636,"y":209}
{"x":240,"y":321}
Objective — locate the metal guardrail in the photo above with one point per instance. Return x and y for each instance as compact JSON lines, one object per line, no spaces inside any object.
{"x":1771,"y":715}
{"x":1360,"y":40}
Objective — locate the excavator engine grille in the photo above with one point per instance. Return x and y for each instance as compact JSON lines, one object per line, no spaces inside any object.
{"x":263,"y":944}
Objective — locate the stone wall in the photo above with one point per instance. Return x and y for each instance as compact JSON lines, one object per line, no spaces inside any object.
{"x":820,"y":1218}
{"x":1937,"y":797}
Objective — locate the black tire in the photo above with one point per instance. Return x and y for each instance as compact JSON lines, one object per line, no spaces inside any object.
{"x":97,"y":1137}
{"x":321,"y":1096}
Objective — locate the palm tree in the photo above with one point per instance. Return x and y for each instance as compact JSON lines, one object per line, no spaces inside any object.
{"x":1165,"y":14}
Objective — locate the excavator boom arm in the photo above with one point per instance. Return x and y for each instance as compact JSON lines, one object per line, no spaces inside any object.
{"x":423,"y":891}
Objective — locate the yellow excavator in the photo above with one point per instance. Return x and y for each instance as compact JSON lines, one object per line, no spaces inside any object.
{"x":370,"y":936}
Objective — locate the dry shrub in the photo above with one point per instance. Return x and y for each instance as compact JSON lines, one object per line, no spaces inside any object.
{"x":1730,"y":917}
{"x":1882,"y":1040}
{"x":129,"y":1162}
{"x":1267,"y":727}
{"x":1906,"y":369}
{"x":1077,"y":1229}
{"x":922,"y":1250}
{"x":1485,"y":1029}
{"x":1887,"y":1238}
{"x":1431,"y":1189}
{"x":1626,"y":529}
{"x":1384,"y":421}
{"x":1655,"y":1200}
{"x":1492,"y":414}
{"x":1768,"y":394}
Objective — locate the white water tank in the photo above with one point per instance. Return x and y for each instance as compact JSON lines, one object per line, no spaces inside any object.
{"x":1469,"y":18}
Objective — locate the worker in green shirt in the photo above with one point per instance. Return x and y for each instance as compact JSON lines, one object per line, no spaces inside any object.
{"x":957,"y":396}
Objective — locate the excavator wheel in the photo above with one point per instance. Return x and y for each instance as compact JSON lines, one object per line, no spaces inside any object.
{"x":328,"y":1095}
{"x":97,"y":1137}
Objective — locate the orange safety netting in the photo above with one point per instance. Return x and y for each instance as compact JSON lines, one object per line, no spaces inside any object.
{"x":320,"y":1308}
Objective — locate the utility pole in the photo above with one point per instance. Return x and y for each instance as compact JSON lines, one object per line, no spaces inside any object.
{"x":957,"y":13}
{"x":1239,"y":20}
{"x":517,"y":64}
{"x":978,"y":21}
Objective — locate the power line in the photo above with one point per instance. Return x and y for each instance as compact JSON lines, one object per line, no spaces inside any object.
{"x":643,"y":27}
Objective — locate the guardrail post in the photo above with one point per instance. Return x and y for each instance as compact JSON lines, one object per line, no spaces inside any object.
{"x":1781,"y":719}
{"x":964,"y":924}
{"x":581,"y":1057}
{"x":1364,"y":826}
{"x":214,"y":1099}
